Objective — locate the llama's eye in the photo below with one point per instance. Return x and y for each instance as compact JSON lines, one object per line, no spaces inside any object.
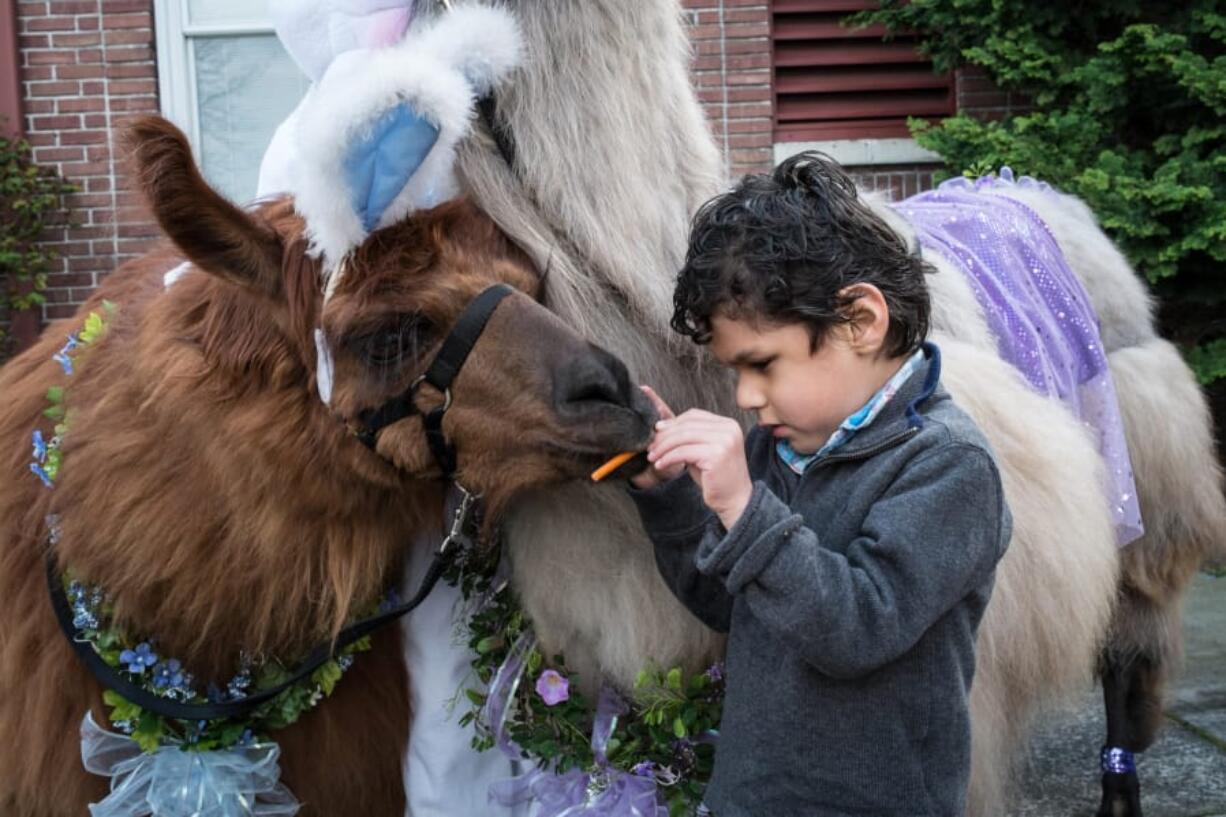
{"x":395,"y":343}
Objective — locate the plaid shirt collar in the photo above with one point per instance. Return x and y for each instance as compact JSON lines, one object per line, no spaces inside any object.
{"x":847,"y":429}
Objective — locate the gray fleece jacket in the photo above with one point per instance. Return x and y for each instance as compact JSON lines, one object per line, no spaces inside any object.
{"x":851,"y":595}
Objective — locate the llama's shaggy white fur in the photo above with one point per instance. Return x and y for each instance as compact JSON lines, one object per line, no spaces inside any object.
{"x":1055,"y":585}
{"x":612,"y":157}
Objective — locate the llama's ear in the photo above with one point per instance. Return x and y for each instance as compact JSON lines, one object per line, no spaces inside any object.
{"x":216,"y":235}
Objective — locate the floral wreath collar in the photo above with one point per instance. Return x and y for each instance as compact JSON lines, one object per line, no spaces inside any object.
{"x":646,"y":753}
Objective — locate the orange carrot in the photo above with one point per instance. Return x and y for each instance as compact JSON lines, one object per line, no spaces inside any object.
{"x":612,"y":465}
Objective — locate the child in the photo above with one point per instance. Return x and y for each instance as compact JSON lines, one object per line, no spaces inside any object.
{"x":848,"y":546}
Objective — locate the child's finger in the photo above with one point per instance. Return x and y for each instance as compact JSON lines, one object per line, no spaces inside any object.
{"x":696,"y":414}
{"x":694,"y":454}
{"x":660,"y":406}
{"x":685,"y":431}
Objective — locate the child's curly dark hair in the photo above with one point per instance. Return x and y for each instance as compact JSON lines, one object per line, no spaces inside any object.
{"x":780,"y":246}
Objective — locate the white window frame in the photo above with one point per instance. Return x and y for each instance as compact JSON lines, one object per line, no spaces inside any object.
{"x":175,"y":41}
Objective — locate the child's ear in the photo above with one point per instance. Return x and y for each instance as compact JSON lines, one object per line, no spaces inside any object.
{"x":868,"y":317}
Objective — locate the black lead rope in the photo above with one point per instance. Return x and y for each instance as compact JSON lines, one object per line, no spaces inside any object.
{"x":110,"y":678}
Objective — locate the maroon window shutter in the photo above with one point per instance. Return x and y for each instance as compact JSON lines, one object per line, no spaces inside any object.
{"x":835,"y":82}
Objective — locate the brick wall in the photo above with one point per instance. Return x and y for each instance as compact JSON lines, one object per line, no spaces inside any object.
{"x":85,"y":65}
{"x":732,"y":74}
{"x":896,"y":181}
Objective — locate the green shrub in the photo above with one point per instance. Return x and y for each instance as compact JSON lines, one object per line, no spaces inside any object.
{"x":1128,"y":111}
{"x":31,"y":198}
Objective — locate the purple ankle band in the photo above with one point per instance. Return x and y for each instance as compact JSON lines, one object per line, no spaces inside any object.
{"x":1118,"y":761}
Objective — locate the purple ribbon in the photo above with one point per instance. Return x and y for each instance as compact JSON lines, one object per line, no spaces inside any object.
{"x":501,"y":694}
{"x":601,"y":791}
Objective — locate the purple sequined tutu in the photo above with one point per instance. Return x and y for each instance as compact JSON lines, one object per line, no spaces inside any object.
{"x":1037,"y":309}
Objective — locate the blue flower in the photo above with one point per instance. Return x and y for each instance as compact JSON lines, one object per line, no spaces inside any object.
{"x":344,"y":662}
{"x":138,"y":659}
{"x":84,"y":619}
{"x":40,"y":446}
{"x":247,"y":738}
{"x":64,"y":360}
{"x":70,"y":344}
{"x":41,"y":473}
{"x":392,"y":599}
{"x":168,"y":674}
{"x":237,"y":688}
{"x":715,"y":672}
{"x":643,"y":769}
{"x":123,"y":726}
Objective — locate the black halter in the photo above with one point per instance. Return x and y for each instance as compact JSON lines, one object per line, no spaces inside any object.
{"x":442,"y":372}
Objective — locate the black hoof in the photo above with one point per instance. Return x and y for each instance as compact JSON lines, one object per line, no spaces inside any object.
{"x":1121,"y":795}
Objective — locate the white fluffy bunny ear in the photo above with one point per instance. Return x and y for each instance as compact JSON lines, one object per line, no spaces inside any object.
{"x":377,"y":134}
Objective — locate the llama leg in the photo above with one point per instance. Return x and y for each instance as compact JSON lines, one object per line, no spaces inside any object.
{"x":1121,"y":788}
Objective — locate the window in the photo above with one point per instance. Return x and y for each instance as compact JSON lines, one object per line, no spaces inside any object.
{"x":836,"y":83}
{"x":227,"y":82}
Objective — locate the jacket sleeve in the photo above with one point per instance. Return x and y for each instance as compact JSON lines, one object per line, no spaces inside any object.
{"x":676,"y":520}
{"x":934,"y":535}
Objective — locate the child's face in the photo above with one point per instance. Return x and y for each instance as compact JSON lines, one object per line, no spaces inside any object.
{"x":800,"y":395}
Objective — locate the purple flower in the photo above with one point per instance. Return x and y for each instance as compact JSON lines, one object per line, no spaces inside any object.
{"x":715,"y":672}
{"x":42,"y":474}
{"x":644,"y":769}
{"x":139,"y":659}
{"x":40,"y":446}
{"x":553,"y":687}
{"x":168,"y":674}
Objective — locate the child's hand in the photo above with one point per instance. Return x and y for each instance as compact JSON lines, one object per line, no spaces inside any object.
{"x":654,"y":476}
{"x":712,"y":448}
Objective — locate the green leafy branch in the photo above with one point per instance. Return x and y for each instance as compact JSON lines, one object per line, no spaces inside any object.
{"x":31,"y":199}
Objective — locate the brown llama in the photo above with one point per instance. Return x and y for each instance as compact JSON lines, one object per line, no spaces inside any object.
{"x":224,"y":507}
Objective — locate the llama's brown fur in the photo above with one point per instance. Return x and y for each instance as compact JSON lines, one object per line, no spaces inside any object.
{"x":192,"y":491}
{"x":220,"y":504}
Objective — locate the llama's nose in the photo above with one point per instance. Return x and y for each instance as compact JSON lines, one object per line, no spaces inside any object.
{"x":594,"y":379}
